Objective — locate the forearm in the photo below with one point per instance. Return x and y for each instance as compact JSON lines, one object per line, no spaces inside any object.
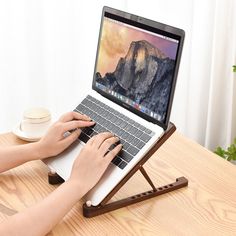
{"x":13,"y":156}
{"x":41,"y":218}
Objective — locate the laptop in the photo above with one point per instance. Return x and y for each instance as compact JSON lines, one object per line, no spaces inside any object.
{"x":132,"y":92}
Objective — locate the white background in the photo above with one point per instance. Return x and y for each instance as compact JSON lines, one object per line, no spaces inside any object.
{"x":48,"y":49}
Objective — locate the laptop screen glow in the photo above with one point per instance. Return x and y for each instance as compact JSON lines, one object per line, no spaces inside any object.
{"x":136,"y":66}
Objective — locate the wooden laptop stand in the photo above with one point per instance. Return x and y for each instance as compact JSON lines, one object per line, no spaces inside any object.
{"x":104,"y":206}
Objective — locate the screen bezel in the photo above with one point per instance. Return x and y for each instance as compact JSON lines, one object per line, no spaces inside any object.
{"x":152,"y":26}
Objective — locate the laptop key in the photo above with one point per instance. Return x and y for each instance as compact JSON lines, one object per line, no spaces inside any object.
{"x":99,"y":103}
{"x":91,"y":98}
{"x":119,"y":132}
{"x":92,"y":106}
{"x":105,"y":106}
{"x":96,"y":108}
{"x":132,"y":150}
{"x":116,"y":161}
{"x":99,"y":119}
{"x":123,"y":125}
{"x":87,"y":131}
{"x":129,"y":138}
{"x":83,"y":137}
{"x":138,"y":133}
{"x":88,"y":112}
{"x":108,"y":115}
{"x":125,"y":156}
{"x":118,"y":121}
{"x":134,"y":141}
{"x":148,"y":131}
{"x":130,"y":120}
{"x":113,"y":119}
{"x":128,"y":128}
{"x":125,"y":145}
{"x":122,"y":165}
{"x":87,"y":103}
{"x":124,"y":135}
{"x":92,"y":115}
{"x":95,"y":117}
{"x":101,"y":112}
{"x":97,"y":127}
{"x":140,"y":144}
{"x":133,"y":130}
{"x":104,"y":113}
{"x":109,"y":126}
{"x":145,"y":138}
{"x":81,"y":108}
{"x":115,"y":130}
{"x":136,"y":124}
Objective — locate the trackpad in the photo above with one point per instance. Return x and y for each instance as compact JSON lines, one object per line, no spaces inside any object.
{"x":63,"y":163}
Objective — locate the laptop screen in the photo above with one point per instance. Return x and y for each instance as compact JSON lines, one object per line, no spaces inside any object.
{"x":136,"y":65}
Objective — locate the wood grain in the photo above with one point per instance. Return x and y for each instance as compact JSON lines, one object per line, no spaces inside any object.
{"x":206,"y":207}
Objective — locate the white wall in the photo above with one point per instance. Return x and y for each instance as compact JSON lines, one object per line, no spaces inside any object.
{"x":48,"y":49}
{"x":47,"y":54}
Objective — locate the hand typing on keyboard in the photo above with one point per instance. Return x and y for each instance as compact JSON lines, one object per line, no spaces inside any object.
{"x":93,"y":160}
{"x":54,"y":142}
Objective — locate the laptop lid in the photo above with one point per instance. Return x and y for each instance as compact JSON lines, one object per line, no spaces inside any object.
{"x":137,"y":64}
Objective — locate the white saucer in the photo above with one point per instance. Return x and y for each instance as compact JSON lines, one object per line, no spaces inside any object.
{"x":20,"y":134}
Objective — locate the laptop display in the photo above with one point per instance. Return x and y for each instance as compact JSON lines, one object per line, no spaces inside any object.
{"x":136,"y":66}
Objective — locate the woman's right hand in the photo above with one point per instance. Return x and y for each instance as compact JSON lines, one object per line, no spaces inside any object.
{"x":93,"y":160}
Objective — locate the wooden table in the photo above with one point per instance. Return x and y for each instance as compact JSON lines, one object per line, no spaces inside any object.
{"x":206,"y":207}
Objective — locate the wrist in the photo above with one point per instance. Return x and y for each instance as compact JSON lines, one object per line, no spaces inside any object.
{"x":77,"y":188}
{"x":37,"y":150}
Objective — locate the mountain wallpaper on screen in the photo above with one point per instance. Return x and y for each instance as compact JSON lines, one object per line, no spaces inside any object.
{"x":144,"y":75}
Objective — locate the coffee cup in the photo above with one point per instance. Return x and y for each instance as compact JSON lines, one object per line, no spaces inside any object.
{"x":36,"y":122}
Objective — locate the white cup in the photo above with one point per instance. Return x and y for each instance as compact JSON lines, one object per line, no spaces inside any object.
{"x":36,"y":122}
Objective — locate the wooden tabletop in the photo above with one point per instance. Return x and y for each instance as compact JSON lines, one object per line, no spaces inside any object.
{"x":206,"y":207}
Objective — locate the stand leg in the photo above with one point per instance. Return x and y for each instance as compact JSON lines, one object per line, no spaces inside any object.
{"x":54,"y":178}
{"x":143,"y":171}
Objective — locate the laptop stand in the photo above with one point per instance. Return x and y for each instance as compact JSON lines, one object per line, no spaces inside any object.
{"x":104,"y":206}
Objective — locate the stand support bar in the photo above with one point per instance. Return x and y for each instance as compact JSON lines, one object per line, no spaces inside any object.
{"x":90,"y":211}
{"x":144,"y":173}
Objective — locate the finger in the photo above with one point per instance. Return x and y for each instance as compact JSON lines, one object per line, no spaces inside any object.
{"x":110,"y":155}
{"x":100,"y":138}
{"x":104,"y":148}
{"x":91,"y":140}
{"x":66,"y":142}
{"x":72,"y":116}
{"x":71,"y":125}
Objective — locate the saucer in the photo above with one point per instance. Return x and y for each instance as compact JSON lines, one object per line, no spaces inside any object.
{"x":22,"y":135}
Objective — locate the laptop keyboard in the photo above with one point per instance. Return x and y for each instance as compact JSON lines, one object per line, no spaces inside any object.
{"x":133,"y":136}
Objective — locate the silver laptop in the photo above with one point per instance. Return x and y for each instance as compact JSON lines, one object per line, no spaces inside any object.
{"x":132,"y":91}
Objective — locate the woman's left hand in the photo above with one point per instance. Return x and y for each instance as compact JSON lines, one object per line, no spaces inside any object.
{"x":55,"y":141}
